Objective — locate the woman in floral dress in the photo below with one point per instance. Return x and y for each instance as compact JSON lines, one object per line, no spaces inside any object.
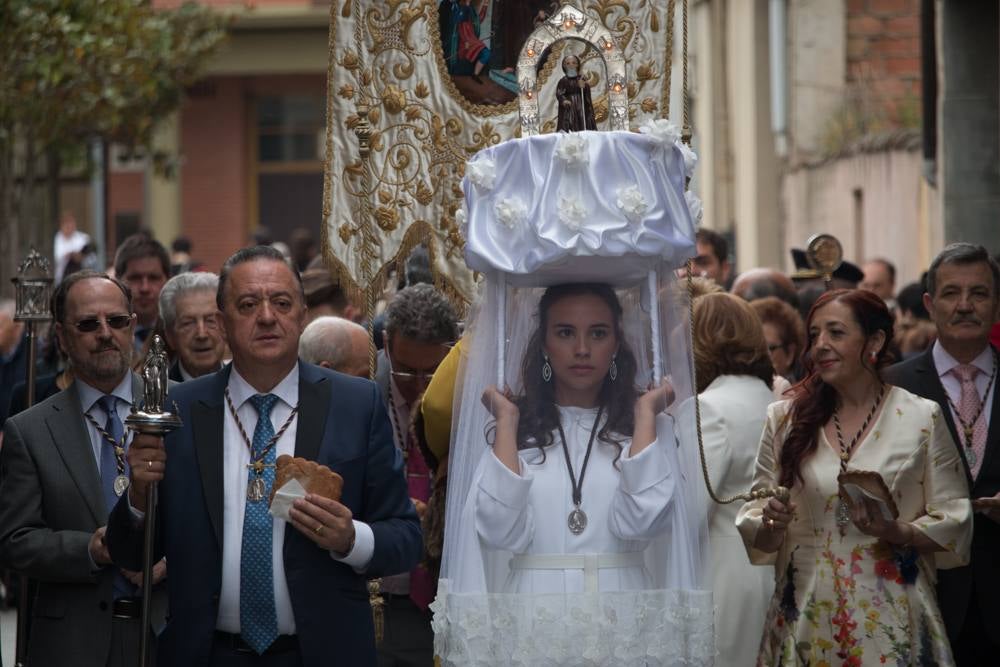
{"x":853,"y":587}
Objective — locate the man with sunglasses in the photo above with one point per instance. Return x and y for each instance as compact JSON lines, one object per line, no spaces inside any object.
{"x":420,"y":328}
{"x":62,"y":468}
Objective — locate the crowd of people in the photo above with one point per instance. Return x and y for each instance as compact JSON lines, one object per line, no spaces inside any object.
{"x":797,"y":386}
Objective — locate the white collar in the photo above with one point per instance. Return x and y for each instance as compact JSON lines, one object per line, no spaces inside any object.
{"x":90,"y":395}
{"x":287,"y":390}
{"x":944,"y":362}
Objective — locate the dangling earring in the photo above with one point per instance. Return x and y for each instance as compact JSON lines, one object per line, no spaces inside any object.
{"x":546,"y":369}
{"x":873,"y":356}
{"x":613,"y":369}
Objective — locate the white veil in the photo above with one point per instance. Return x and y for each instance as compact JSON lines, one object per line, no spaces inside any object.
{"x":475,"y":623}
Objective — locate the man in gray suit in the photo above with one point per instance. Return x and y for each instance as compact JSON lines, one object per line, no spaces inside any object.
{"x":62,"y":467}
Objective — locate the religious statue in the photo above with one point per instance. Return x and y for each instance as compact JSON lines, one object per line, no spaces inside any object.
{"x":154,"y":377}
{"x":576,"y":112}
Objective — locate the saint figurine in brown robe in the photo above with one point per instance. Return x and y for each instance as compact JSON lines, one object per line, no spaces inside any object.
{"x":576,"y":112}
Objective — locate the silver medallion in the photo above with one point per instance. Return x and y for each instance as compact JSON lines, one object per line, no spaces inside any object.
{"x":255,"y":489}
{"x":843,"y":513}
{"x":577,"y":521}
{"x":121,"y":483}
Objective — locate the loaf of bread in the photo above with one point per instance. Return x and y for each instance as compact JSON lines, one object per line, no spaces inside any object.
{"x":869,"y":482}
{"x":314,"y":477}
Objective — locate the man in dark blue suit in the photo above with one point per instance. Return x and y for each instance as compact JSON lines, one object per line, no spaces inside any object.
{"x":246,"y":589}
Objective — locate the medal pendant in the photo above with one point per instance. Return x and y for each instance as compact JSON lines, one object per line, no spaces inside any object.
{"x":970,"y":456}
{"x":577,"y":521}
{"x":121,"y":483}
{"x":843,"y":513}
{"x":255,"y":489}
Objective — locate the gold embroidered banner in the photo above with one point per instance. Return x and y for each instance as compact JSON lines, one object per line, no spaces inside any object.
{"x":416,"y":87}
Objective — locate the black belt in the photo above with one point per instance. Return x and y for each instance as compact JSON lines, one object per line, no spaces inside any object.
{"x":127,"y":608}
{"x":283,"y":644}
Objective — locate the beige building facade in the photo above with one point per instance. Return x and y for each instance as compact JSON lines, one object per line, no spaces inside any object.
{"x":807,"y":118}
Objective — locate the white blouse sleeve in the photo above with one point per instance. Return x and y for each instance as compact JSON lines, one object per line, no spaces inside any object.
{"x":640,"y":509}
{"x":503,"y":516}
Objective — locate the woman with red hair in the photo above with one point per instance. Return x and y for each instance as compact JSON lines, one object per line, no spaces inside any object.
{"x":854,"y":570}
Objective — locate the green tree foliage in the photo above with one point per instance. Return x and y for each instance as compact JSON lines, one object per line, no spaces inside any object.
{"x":72,"y":71}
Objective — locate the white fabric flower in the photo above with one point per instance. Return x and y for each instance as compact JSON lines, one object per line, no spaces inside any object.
{"x":462,"y":218}
{"x":573,"y":149}
{"x":662,"y":130}
{"x":482,"y":172}
{"x":694,"y":207}
{"x":690,"y":158}
{"x":632,"y":203}
{"x":510,"y":212}
{"x":572,"y":212}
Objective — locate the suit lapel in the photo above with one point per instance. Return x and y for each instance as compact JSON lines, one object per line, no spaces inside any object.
{"x":71,"y":439}
{"x":207,"y":425}
{"x":314,"y":397}
{"x":993,"y":433}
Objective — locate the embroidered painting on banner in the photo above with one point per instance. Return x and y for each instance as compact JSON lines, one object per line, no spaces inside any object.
{"x":428,"y":83}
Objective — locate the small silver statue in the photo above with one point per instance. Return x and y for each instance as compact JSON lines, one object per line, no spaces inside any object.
{"x":151,"y":419}
{"x":154,"y":377}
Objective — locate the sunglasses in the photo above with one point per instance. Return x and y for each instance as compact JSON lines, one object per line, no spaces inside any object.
{"x":92,"y":324}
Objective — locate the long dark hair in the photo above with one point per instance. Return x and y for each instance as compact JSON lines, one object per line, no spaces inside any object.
{"x":539,"y":416}
{"x":813,"y":401}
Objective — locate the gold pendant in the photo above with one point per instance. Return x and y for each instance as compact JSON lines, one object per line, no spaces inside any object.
{"x":255,"y":489}
{"x":121,"y":483}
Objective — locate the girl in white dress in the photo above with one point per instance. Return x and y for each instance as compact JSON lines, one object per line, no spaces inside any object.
{"x":575,"y":544}
{"x":573,"y":468}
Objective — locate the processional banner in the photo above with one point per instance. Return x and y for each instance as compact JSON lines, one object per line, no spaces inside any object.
{"x":416,"y":87}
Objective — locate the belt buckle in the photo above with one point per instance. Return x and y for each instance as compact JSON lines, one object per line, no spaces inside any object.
{"x":125,"y":608}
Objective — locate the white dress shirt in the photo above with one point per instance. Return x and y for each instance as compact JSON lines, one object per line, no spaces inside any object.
{"x":236,"y":458}
{"x":944,"y":363}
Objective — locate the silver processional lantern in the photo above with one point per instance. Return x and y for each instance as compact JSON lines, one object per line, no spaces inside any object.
{"x":33,"y":285}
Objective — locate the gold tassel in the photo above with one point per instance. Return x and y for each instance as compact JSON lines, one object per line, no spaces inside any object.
{"x":377,"y":603}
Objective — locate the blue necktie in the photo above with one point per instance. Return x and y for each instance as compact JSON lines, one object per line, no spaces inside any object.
{"x":109,"y":462}
{"x":123,"y":588}
{"x":258,"y":616}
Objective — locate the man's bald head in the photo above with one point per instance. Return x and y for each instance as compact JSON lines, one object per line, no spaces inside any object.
{"x":336,"y":343}
{"x":762,"y":282}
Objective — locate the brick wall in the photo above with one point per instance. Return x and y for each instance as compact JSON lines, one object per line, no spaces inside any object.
{"x":883,"y":56}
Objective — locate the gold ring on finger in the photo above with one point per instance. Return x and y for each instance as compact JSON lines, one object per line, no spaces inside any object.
{"x":319,"y":529}
{"x":149,"y":464}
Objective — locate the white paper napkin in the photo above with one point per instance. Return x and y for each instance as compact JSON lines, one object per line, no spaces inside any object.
{"x":284,"y":497}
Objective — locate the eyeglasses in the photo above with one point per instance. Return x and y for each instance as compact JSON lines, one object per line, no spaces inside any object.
{"x":421,"y":376}
{"x":92,"y":324}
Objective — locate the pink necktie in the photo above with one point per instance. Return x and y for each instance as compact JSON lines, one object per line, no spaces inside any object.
{"x":969,"y":409}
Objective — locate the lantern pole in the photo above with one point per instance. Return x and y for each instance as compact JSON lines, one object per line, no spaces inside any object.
{"x":33,"y":287}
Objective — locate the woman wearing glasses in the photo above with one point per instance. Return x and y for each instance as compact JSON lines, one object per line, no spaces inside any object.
{"x":854,"y":586}
{"x":784,"y":334}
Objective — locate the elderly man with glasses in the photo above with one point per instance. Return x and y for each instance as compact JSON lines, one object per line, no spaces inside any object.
{"x":420,"y":328}
{"x":191,"y":323}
